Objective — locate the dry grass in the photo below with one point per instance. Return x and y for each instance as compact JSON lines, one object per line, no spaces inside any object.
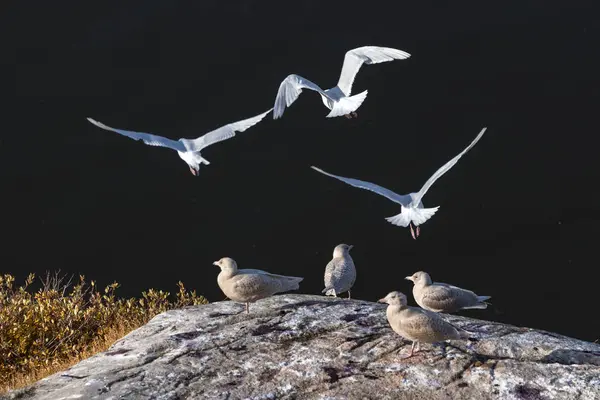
{"x":53,"y":328}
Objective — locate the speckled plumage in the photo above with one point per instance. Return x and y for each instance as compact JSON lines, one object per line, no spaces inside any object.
{"x":340,"y":272}
{"x":441,"y":297}
{"x":250,"y":285}
{"x":416,"y":324}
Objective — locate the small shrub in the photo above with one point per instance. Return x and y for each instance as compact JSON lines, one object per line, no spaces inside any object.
{"x":47,"y":330}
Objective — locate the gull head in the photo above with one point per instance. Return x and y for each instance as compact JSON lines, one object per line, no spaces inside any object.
{"x":394,"y":299}
{"x":342,"y":250}
{"x":226,"y":264}
{"x":419,"y":278}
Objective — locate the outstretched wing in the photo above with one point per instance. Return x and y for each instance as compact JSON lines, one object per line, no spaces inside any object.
{"x":149,"y":139}
{"x":223,"y":133}
{"x":289,"y":90}
{"x":397,"y":198}
{"x":355,"y":58}
{"x":417,"y":198}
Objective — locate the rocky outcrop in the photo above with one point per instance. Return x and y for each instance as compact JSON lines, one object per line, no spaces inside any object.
{"x":312,"y":347}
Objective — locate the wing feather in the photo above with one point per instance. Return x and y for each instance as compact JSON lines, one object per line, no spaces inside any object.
{"x":261,"y":272}
{"x":355,"y":58}
{"x":147,"y":138}
{"x":395,"y":197}
{"x":289,"y":90}
{"x":417,"y":197}
{"x":223,"y":133}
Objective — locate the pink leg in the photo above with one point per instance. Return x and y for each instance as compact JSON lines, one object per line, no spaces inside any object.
{"x":412,"y":351}
{"x":247,"y":308}
{"x":412,"y":232}
{"x":193,"y":171}
{"x":418,"y":231}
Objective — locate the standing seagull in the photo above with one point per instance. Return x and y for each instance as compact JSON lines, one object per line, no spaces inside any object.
{"x":250,"y":285}
{"x":441,"y":297}
{"x":418,"y":325}
{"x":412,"y":210}
{"x":338,"y":98}
{"x":340,"y":272}
{"x":189,"y":149}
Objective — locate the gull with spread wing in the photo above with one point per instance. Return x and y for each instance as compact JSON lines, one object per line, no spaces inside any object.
{"x":337,"y":98}
{"x":411,"y":206}
{"x":189,"y":149}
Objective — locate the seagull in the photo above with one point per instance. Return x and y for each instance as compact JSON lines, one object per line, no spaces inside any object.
{"x":189,"y":149}
{"x":337,"y":98}
{"x":417,"y":324}
{"x":249,"y":285}
{"x":340,"y":272}
{"x":442,"y":297}
{"x":411,"y":206}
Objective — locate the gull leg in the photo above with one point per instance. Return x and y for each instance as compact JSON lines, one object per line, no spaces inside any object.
{"x":418,"y":347}
{"x":348,"y":294}
{"x":348,"y":116}
{"x":193,"y":171}
{"x":247,"y":308}
{"x":418,"y":231}
{"x":412,"y":232}
{"x":412,"y":349}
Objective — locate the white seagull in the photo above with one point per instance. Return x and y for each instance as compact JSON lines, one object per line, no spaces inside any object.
{"x":338,"y":98}
{"x":412,"y":209}
{"x":189,"y":149}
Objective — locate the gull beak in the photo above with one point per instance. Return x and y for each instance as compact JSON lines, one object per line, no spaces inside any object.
{"x":382,"y":300}
{"x":350,"y":247}
{"x":409,"y":278}
{"x":216,"y":263}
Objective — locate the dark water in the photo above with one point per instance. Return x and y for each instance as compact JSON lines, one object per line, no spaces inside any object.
{"x":518,"y":217}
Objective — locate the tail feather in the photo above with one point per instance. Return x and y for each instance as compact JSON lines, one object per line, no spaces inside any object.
{"x":290,"y":283}
{"x":418,"y":216}
{"x":346,"y":105}
{"x":482,"y":305}
{"x":479,"y":306}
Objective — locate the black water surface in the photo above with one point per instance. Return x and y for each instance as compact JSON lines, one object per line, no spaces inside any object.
{"x":518,"y":217}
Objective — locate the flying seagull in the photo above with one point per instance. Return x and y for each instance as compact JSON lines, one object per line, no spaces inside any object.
{"x":189,"y":149}
{"x":411,"y":206}
{"x":338,"y":98}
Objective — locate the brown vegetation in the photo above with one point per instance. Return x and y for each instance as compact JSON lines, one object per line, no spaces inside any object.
{"x":48,"y":330}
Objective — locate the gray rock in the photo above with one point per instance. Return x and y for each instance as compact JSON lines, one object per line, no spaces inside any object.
{"x":313,"y":347}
